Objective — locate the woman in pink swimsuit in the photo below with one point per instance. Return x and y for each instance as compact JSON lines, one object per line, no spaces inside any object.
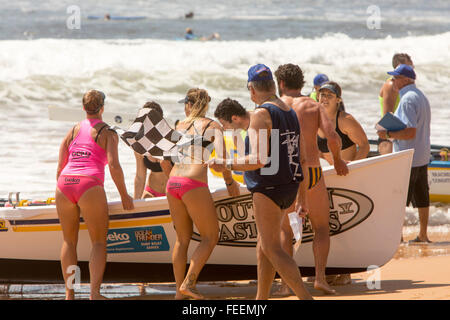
{"x":190,"y":201}
{"x":83,"y":154}
{"x":159,"y":170}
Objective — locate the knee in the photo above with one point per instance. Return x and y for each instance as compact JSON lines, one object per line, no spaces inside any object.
{"x":211,"y":238}
{"x":99,"y":245}
{"x":182,"y":244}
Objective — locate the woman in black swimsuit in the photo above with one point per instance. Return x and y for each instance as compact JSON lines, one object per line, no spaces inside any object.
{"x":155,"y":185}
{"x":355,"y":145}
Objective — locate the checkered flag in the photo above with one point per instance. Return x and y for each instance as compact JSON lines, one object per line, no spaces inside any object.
{"x":150,"y":134}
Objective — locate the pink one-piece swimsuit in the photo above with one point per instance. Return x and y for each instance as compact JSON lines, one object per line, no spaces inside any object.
{"x":86,"y":164}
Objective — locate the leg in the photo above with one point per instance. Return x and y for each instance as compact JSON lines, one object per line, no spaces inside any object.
{"x":203,"y":214}
{"x":268,"y":222}
{"x":423,"y":220}
{"x":94,"y":209}
{"x":69,"y":217}
{"x":319,"y":214}
{"x":286,"y":242}
{"x":183,"y":228}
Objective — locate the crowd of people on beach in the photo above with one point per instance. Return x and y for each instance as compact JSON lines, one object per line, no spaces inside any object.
{"x":309,"y":127}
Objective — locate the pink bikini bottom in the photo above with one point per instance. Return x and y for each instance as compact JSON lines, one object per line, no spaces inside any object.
{"x":153,"y":192}
{"x":73,"y":187}
{"x":178,"y":186}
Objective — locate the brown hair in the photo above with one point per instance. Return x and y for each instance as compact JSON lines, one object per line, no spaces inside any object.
{"x":338,"y":93}
{"x":93,"y":101}
{"x":155,"y":106}
{"x":292,"y":75}
{"x":400,"y":58}
{"x":199,"y":99}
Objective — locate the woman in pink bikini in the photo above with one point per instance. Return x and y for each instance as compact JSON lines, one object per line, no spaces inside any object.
{"x":159,"y":170}
{"x":190,"y":201}
{"x":83,"y":154}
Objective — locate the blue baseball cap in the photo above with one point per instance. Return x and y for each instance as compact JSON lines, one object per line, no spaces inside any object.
{"x":404,"y":70}
{"x":320,"y":79}
{"x":254,"y":73}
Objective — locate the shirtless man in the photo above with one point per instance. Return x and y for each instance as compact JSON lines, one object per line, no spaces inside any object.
{"x":272,"y":192}
{"x":311,"y":116}
{"x":390,"y":98}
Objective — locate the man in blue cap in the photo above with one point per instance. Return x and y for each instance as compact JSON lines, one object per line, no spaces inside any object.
{"x":319,"y":80}
{"x":414,"y":111}
{"x":273,"y":181}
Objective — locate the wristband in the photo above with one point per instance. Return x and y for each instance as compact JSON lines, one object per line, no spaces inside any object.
{"x":229,"y":184}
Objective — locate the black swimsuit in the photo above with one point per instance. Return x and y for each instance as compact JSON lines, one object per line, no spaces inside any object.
{"x":346,"y":141}
{"x":151,"y":165}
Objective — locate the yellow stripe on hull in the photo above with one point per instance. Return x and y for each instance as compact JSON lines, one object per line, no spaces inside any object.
{"x":440,"y":198}
{"x":112,"y":225}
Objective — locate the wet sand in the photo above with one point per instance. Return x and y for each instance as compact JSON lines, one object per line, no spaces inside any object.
{"x":416,"y":272}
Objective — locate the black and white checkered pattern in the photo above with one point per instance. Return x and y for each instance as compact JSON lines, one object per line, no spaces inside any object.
{"x":150,"y":134}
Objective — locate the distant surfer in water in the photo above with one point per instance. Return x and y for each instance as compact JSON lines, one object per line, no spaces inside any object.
{"x":189,"y":35}
{"x":83,"y":154}
{"x":312,"y":117}
{"x":189,"y":15}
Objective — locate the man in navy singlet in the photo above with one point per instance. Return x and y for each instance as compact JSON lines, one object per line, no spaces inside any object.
{"x":272,"y":174}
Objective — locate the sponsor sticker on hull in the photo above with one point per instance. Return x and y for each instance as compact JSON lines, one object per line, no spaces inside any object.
{"x":237,"y":224}
{"x":3,"y":225}
{"x":143,"y":239}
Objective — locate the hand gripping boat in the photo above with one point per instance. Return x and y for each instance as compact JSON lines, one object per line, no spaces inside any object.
{"x":367,"y":209}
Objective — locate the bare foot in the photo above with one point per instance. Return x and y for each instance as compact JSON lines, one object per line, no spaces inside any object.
{"x":179,"y":296}
{"x":191,"y":292}
{"x":283,"y":290}
{"x":324,"y":287}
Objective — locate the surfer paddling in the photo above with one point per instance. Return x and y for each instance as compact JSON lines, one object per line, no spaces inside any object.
{"x":273,"y":184}
{"x":83,"y":154}
{"x":312,"y":117}
{"x":190,"y":201}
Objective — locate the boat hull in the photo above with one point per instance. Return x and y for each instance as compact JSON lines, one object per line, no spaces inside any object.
{"x":366,"y":218}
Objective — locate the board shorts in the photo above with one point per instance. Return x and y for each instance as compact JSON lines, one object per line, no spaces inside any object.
{"x":418,"y":191}
{"x":178,"y":186}
{"x":315,"y":174}
{"x":283,"y":195}
{"x":73,"y":187}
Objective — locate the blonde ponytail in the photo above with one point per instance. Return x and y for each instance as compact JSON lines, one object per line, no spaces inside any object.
{"x":199,"y":99}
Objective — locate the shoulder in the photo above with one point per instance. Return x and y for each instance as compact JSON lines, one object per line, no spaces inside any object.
{"x":210,"y":124}
{"x":347,"y":119}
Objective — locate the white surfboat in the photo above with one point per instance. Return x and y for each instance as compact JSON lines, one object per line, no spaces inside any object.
{"x":367,"y":210}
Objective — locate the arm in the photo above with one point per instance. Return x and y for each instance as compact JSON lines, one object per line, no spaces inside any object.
{"x":301,"y":203}
{"x":116,"y":170}
{"x":389,"y":95}
{"x":334,"y":142}
{"x":63,"y":153}
{"x":141,"y":176}
{"x":405,"y":134}
{"x":356,"y":133}
{"x":260,"y":119}
{"x":220,"y":147}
